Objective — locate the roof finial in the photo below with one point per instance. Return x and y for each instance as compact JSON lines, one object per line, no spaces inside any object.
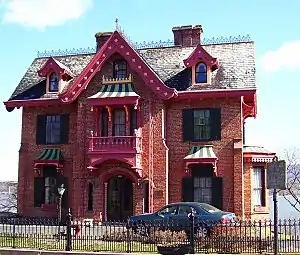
{"x":117,"y":25}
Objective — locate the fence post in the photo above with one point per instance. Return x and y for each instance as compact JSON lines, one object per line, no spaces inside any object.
{"x":14,"y":233}
{"x":128,"y":235}
{"x":260,"y":237}
{"x":192,"y":230}
{"x":69,"y":231}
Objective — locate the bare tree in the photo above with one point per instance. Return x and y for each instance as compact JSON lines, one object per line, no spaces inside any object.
{"x":8,"y":199}
{"x":292,"y":193}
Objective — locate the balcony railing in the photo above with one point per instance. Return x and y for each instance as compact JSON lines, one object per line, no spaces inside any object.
{"x":115,"y":143}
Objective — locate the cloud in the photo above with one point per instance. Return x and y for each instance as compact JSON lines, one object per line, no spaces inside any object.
{"x":285,"y":57}
{"x":43,"y":13}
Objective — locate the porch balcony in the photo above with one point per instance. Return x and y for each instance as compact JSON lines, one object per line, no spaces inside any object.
{"x":115,"y":144}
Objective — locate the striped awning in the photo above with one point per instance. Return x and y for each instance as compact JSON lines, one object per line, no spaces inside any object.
{"x":201,"y":152}
{"x":115,"y":91}
{"x":50,"y":154}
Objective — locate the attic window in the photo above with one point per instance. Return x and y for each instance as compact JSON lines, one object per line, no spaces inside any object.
{"x":201,"y":73}
{"x":53,"y":82}
{"x":120,"y":69}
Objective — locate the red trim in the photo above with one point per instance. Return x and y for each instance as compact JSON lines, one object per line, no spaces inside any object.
{"x":113,"y":101}
{"x":117,"y":44}
{"x":96,"y":162}
{"x":51,"y":65}
{"x":216,"y":93}
{"x":111,"y":173}
{"x":200,"y":53}
{"x":249,"y":109}
{"x":31,"y":102}
{"x":56,"y":163}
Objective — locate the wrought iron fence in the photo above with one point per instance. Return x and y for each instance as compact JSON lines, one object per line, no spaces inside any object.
{"x":148,"y":237}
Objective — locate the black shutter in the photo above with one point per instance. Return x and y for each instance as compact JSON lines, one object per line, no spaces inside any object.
{"x":217,"y":192}
{"x":187,"y":189}
{"x":39,"y":191}
{"x":104,"y":122}
{"x":64,"y":201}
{"x":188,"y":124}
{"x":41,"y":129}
{"x":133,"y":121}
{"x":215,"y":122}
{"x":64,"y":128}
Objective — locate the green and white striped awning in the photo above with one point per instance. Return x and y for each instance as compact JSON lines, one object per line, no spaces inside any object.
{"x":201,"y":152}
{"x":116,"y":90}
{"x":50,"y":154}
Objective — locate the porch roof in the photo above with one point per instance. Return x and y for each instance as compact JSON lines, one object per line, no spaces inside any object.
{"x":115,"y":90}
{"x":201,"y":152}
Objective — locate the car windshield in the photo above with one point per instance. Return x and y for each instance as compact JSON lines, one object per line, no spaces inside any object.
{"x":209,"y":208}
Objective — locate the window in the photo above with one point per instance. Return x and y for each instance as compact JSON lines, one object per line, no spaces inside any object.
{"x":120,"y":69}
{"x":45,"y":187}
{"x":169,"y":210}
{"x":201,"y":73}
{"x":90,"y":197}
{"x":203,"y":189}
{"x":52,"y":129}
{"x":133,"y":121}
{"x":201,"y":124}
{"x":258,"y":187}
{"x":104,"y":122}
{"x":119,"y":122}
{"x":50,"y":195}
{"x":53,"y":82}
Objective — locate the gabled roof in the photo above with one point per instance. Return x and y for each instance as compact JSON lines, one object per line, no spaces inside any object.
{"x":54,"y":65}
{"x":236,"y":70}
{"x":201,"y":53}
{"x":117,"y":44}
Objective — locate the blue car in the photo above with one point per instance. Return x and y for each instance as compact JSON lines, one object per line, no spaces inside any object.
{"x":176,"y":217}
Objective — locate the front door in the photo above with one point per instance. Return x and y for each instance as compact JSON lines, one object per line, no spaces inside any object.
{"x":119,"y":198}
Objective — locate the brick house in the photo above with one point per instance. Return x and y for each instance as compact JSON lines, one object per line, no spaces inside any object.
{"x":128,"y":130}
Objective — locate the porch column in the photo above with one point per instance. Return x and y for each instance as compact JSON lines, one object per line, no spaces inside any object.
{"x":127,"y":116}
{"x":105,"y":201}
{"x":97,"y":120}
{"x":110,"y":113}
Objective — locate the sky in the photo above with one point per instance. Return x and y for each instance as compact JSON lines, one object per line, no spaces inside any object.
{"x":29,"y":26}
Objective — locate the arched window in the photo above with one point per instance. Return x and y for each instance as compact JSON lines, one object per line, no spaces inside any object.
{"x":90,"y":197}
{"x":201,"y":73}
{"x":53,"y":82}
{"x":120,"y":69}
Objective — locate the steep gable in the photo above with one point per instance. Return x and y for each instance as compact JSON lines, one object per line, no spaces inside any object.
{"x":117,"y":44}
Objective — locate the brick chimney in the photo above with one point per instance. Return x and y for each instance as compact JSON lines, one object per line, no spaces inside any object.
{"x":101,"y":38}
{"x":187,"y":36}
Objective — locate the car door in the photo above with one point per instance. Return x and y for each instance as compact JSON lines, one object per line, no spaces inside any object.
{"x":167,"y":214}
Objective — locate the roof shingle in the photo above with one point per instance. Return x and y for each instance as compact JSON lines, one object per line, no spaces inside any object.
{"x":237,"y":67}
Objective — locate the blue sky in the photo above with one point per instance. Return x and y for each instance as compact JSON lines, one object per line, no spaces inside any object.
{"x":28,"y":26}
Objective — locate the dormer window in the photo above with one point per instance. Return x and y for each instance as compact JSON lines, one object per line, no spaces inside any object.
{"x":120,"y":69}
{"x":53,"y":82}
{"x":201,"y":73}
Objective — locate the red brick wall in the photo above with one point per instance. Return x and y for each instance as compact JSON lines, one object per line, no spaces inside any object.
{"x":231,"y":129}
{"x":30,"y":150}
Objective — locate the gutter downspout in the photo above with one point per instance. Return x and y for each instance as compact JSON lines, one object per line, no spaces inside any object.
{"x":164,"y":140}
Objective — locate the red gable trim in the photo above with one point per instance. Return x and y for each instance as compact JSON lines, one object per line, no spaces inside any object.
{"x":117,"y":44}
{"x":200,"y":53}
{"x":31,"y":102}
{"x":214,"y":93}
{"x":54,"y":65}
